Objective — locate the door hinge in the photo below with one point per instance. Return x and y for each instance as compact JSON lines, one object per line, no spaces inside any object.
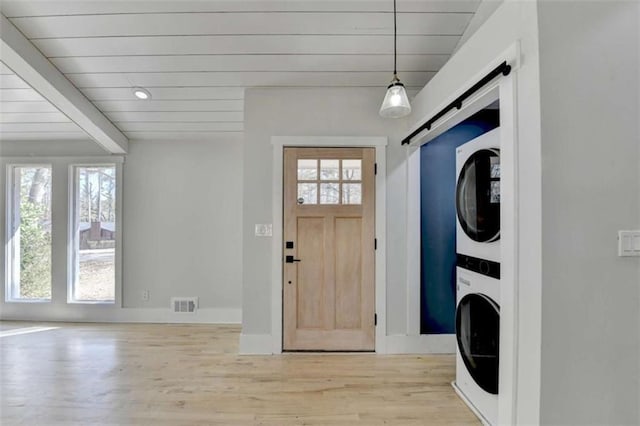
{"x":375,"y":244}
{"x":375,"y":319}
{"x":375,"y":168}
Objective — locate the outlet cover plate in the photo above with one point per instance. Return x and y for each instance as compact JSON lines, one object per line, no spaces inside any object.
{"x":264,"y":230}
{"x":629,"y":243}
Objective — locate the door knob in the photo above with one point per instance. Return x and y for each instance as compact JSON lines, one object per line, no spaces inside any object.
{"x":290,"y":259}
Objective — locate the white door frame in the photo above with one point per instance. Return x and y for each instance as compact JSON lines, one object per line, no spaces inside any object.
{"x":279,"y":143}
{"x":503,"y":88}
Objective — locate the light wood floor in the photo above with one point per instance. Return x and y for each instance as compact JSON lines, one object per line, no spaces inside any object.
{"x":125,"y":374}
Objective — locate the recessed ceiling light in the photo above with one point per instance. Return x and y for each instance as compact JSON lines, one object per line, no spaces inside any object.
{"x":141,"y":93}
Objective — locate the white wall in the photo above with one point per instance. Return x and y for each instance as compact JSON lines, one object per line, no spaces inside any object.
{"x":182,"y":233}
{"x":579,"y":182}
{"x":590,"y":189}
{"x":483,"y":12}
{"x":315,"y":112}
{"x":513,"y":22}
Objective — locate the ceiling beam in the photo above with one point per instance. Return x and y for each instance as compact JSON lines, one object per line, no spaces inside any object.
{"x":17,"y":52}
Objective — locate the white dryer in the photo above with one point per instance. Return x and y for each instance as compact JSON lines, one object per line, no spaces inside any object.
{"x":478,"y":197}
{"x":478,"y":342}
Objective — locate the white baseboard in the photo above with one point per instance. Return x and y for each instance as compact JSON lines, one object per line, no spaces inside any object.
{"x":256,"y":344}
{"x":106,"y":313}
{"x":421,"y":344}
{"x":397,"y":344}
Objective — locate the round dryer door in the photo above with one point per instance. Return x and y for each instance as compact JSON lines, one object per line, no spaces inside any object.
{"x":478,"y":335}
{"x":478,"y":196}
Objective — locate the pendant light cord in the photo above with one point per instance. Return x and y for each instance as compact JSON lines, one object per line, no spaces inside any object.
{"x":395,"y":42}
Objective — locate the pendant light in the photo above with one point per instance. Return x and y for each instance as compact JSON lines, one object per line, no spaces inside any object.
{"x":395,"y":103}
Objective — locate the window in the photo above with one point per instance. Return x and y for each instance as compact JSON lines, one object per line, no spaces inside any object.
{"x":329,"y":181}
{"x":93,"y":234}
{"x":29,"y":232}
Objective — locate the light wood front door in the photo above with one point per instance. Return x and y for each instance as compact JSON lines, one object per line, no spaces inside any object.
{"x":328,"y":249}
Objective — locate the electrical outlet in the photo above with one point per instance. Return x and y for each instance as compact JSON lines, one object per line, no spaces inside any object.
{"x":145,"y":295}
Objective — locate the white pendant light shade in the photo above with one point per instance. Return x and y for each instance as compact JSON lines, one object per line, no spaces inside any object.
{"x":395,"y":103}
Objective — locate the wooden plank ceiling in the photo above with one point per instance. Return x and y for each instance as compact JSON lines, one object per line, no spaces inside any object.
{"x":26,"y":115}
{"x":197,"y":57}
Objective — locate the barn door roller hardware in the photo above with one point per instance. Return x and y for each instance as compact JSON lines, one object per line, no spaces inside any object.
{"x":504,"y":69}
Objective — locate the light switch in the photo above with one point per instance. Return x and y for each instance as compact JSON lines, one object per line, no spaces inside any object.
{"x":628,"y":243}
{"x":263,"y":230}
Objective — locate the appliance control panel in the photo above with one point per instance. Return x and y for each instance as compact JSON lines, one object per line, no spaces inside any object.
{"x":628,"y":243}
{"x":480,"y":266}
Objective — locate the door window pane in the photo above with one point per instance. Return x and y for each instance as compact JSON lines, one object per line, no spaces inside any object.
{"x":307,"y":193}
{"x":329,"y":181}
{"x":307,"y":169}
{"x":351,"y":169}
{"x":93,"y":277}
{"x":29,"y":213}
{"x":329,"y":193}
{"x":329,"y":169}
{"x":352,"y":193}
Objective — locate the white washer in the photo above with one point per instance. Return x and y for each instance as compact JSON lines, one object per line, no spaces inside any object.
{"x":478,"y":342}
{"x":478,"y":197}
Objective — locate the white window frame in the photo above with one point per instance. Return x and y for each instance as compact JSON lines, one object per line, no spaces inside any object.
{"x":12,"y":258}
{"x":72,"y":235}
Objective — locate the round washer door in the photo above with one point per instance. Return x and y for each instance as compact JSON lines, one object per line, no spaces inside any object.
{"x":478,"y":196}
{"x":478,"y":335}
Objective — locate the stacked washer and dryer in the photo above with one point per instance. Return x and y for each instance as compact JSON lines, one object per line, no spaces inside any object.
{"x":478,"y":274}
